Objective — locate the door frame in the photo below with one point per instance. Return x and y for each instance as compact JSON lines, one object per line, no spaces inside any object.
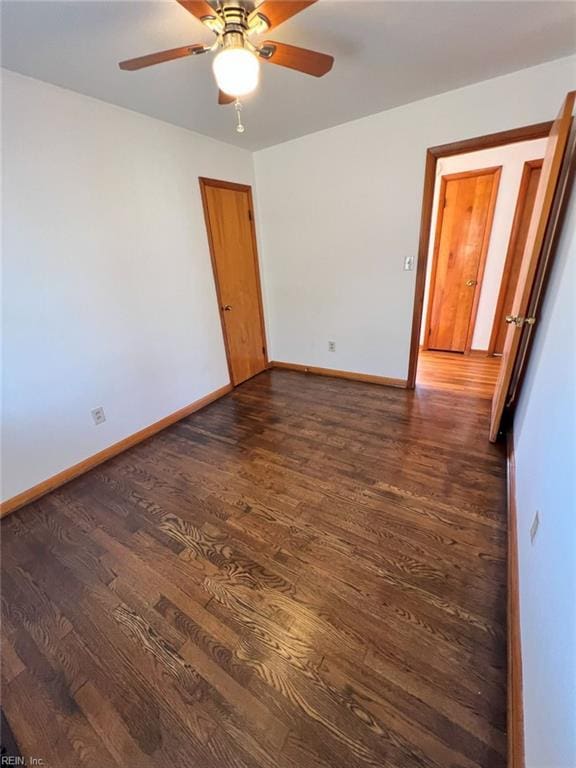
{"x":204,"y":182}
{"x":433,"y":154}
{"x":495,"y":171}
{"x":529,"y":166}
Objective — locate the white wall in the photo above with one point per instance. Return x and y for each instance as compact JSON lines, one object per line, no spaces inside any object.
{"x":108,"y":291}
{"x":512,"y":158}
{"x":545,"y":447}
{"x":340,"y":210}
{"x":109,"y":297}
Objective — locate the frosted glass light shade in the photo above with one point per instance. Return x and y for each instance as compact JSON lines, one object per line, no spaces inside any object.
{"x":236,"y":71}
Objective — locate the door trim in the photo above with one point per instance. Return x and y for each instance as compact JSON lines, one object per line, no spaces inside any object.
{"x":433,"y":154}
{"x":529,"y":166}
{"x":207,"y":182}
{"x":495,"y":171}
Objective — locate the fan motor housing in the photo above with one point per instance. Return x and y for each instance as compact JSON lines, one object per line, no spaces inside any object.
{"x":240,"y":20}
{"x":235,"y":17}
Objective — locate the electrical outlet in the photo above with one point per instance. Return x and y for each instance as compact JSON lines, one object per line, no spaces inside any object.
{"x":331,"y":346}
{"x":408,"y":263}
{"x":98,"y":415}
{"x":534,"y":527}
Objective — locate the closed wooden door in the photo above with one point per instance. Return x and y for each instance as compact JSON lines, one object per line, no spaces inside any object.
{"x":517,"y":243}
{"x":465,"y":211}
{"x":229,"y":218}
{"x":520,"y":324}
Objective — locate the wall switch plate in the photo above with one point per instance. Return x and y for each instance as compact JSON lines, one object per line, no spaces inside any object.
{"x":331,"y":346}
{"x":534,"y":527}
{"x":98,"y":415}
{"x":408,"y":263}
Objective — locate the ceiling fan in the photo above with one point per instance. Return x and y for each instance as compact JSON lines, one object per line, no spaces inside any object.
{"x":236,"y":65}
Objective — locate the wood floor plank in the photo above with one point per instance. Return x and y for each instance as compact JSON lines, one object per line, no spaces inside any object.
{"x":309,"y":573}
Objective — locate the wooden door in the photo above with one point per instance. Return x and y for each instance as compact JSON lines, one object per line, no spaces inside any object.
{"x":516,"y":245}
{"x":550,"y":173}
{"x":465,"y":211}
{"x":228,"y":212}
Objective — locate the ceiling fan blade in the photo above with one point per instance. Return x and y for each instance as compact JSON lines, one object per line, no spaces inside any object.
{"x":278,"y":11}
{"x":225,"y":98}
{"x":301,"y":59}
{"x":158,"y":58}
{"x":199,"y":8}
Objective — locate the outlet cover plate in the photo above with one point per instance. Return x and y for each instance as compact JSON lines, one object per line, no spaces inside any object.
{"x":98,"y":415}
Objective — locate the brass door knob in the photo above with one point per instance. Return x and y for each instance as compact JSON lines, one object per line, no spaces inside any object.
{"x":519,"y":321}
{"x":470,"y":283}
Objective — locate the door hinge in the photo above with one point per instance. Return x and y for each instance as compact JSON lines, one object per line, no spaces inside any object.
{"x":250,"y":215}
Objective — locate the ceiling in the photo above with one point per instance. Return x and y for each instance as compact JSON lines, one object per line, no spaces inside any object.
{"x":387,"y":54}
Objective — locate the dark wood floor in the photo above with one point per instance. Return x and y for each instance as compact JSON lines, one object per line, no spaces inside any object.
{"x":309,"y":573}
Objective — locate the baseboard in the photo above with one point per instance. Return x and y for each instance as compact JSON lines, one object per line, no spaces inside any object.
{"x":515,"y":706}
{"x":365,"y":377}
{"x":11,"y":505}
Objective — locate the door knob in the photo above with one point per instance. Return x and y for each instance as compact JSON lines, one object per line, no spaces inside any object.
{"x":226,"y":307}
{"x":519,"y":321}
{"x":470,"y":283}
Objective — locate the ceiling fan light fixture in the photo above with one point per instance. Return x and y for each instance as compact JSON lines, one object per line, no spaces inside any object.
{"x":237,"y":71}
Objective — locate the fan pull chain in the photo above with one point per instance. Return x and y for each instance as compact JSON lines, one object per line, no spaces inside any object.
{"x":240,"y":127}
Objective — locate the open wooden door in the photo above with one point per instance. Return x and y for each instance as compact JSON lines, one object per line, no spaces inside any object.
{"x":516,"y":245}
{"x":554,"y":155}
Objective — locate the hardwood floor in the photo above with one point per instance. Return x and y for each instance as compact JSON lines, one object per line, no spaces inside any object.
{"x":472,"y":374}
{"x":309,"y":573}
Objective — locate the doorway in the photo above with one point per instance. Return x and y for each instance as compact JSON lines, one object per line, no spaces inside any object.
{"x":456,"y":339}
{"x":543,"y":231}
{"x":228,"y":212}
{"x":434,"y":155}
{"x":465,"y":213}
